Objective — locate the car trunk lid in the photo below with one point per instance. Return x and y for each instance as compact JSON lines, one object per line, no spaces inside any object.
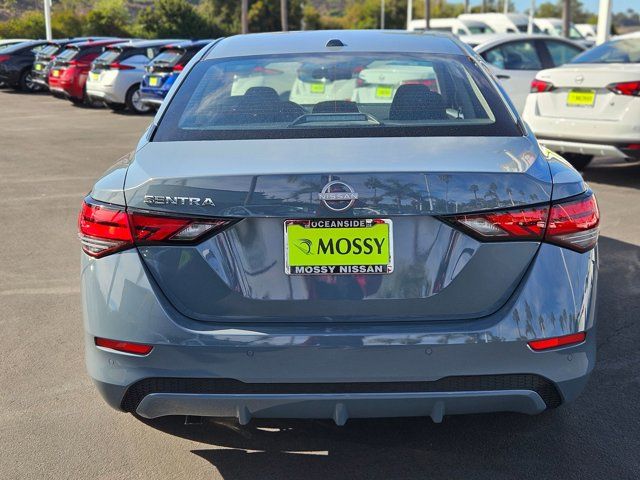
{"x":581,"y":91}
{"x":239,"y":274}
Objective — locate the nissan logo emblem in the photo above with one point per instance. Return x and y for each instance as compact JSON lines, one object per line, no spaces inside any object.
{"x":338,"y":196}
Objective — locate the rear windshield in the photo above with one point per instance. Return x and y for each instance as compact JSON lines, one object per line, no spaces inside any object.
{"x":168,"y":57}
{"x":616,"y":51}
{"x":108,"y":56}
{"x":478,"y":29}
{"x":17,"y":47}
{"x":67,"y":54}
{"x":48,"y":50}
{"x":335,"y":95}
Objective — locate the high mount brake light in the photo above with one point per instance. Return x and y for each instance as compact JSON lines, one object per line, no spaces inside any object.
{"x":626,"y":88}
{"x":572,"y":224}
{"x":540,"y":86}
{"x":105,"y":229}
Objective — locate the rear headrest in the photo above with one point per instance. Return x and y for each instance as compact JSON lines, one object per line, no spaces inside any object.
{"x":262,"y":94}
{"x":417,"y":102}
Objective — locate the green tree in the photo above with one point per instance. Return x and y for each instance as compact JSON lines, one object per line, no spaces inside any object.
{"x":108,"y":18}
{"x":264,"y":15}
{"x":173,"y":18}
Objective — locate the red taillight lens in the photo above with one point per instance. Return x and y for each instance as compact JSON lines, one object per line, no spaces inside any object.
{"x":626,"y":88}
{"x":105,"y":229}
{"x":126,"y":347}
{"x":178,"y":67}
{"x":539,"y":86}
{"x":526,"y":224}
{"x":120,"y":66}
{"x":4,"y":58}
{"x":555,"y":342}
{"x":574,"y":224}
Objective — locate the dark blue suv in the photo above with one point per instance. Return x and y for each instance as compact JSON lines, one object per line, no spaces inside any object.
{"x":165,"y":67}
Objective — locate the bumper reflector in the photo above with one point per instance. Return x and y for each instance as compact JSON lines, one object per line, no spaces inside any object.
{"x":555,"y":342}
{"x":126,"y":347}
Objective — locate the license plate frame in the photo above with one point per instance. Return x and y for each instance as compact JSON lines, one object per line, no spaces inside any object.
{"x":379,"y":262}
{"x":581,"y":98}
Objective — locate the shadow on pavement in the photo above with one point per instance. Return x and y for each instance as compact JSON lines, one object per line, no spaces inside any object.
{"x":598,"y":436}
{"x":613,"y":172}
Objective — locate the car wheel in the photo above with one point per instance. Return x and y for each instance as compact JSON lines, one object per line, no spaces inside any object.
{"x":578,"y":160}
{"x":26,"y":83}
{"x":116,"y":107}
{"x":134,"y":101}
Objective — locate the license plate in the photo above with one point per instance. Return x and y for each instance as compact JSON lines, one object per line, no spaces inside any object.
{"x":56,"y":73}
{"x":581,"y":98}
{"x":338,"y":246}
{"x":94,"y":76}
{"x":384,"y":91}
{"x":38,"y":67}
{"x":317,"y":88}
{"x":153,"y":81}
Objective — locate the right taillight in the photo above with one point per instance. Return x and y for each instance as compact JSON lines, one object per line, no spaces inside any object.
{"x":104,"y":229}
{"x":540,"y":86}
{"x":572,"y":224}
{"x":625,"y":88}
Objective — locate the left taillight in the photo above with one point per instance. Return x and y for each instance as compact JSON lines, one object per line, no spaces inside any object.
{"x":104,"y":229}
{"x":4,"y":58}
{"x":540,"y":86}
{"x":573,"y":224}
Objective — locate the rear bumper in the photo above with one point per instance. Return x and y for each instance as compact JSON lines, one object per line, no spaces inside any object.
{"x":121,"y":302}
{"x":96,"y":91}
{"x":595,"y":149}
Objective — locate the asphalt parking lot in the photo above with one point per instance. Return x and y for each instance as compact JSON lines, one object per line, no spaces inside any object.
{"x":53,"y":424}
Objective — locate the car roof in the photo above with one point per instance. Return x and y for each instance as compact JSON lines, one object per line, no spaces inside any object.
{"x":189,"y":44}
{"x":352,"y":40}
{"x":148,"y":43}
{"x":485,"y":41}
{"x":97,"y":43}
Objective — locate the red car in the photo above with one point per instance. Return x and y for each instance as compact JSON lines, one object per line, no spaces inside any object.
{"x":68,"y":75}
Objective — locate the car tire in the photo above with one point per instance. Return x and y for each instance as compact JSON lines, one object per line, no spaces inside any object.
{"x":133,"y":103}
{"x":116,"y":107}
{"x":25,"y":83}
{"x":579,"y":161}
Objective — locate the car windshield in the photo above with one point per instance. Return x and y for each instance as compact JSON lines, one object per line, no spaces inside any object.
{"x":48,"y":50}
{"x":108,"y":56}
{"x":334,"y":94}
{"x":524,"y":28}
{"x":67,"y":54}
{"x":478,"y":29}
{"x":616,"y":51}
{"x":168,"y":57}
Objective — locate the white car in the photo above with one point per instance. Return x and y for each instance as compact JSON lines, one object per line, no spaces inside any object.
{"x":554,"y":26}
{"x":451,"y":25}
{"x":503,"y":22}
{"x":516,"y":59}
{"x":591,"y":106}
{"x":116,"y":74}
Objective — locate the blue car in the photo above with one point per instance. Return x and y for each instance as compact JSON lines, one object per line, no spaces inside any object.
{"x":165,"y":67}
{"x":339,"y":224}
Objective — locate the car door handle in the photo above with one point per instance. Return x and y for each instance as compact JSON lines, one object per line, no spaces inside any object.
{"x":503,"y":77}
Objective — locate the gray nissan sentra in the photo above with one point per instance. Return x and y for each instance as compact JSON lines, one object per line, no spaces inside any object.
{"x":338,"y":225}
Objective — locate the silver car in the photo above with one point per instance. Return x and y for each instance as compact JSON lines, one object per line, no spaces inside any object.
{"x":412,"y":254}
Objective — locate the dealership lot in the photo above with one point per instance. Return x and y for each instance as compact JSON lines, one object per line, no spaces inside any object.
{"x":54,"y":425}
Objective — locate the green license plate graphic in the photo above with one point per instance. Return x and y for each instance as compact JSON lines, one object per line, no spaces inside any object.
{"x":338,"y":246}
{"x":581,"y":98}
{"x":153,"y":81}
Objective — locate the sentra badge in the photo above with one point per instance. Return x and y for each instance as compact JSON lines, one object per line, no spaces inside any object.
{"x":190,"y":201}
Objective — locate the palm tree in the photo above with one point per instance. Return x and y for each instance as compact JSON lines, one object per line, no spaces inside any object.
{"x":398,"y":190}
{"x":374,"y":184}
{"x":284,"y":15}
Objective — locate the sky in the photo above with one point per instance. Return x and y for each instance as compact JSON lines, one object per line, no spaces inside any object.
{"x":590,"y":5}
